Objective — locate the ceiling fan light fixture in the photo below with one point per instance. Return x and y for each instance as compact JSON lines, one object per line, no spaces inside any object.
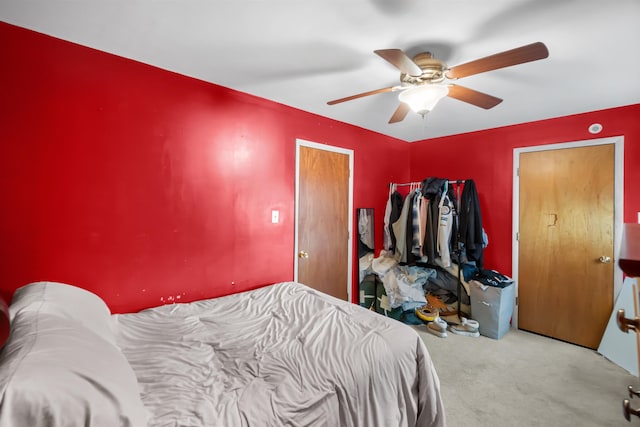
{"x":422,"y":99}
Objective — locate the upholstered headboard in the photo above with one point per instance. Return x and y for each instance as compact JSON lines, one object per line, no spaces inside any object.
{"x":5,"y":324}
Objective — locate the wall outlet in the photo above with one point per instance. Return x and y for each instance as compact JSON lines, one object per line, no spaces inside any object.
{"x":275,"y":217}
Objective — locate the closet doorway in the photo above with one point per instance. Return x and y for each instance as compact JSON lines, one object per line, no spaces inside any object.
{"x":566,"y":238}
{"x":323,"y":249}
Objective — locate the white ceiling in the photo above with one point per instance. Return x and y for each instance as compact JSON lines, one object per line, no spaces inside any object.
{"x":305,"y":53}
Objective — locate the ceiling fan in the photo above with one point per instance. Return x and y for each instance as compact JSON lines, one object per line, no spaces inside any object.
{"x":423,"y":78}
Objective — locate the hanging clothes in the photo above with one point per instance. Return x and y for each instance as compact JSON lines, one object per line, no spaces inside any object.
{"x":432,"y":188}
{"x":419,"y":224}
{"x":445,"y":226}
{"x":471,"y":233}
{"x":400,"y":230}
{"x":413,"y":231}
{"x":424,"y":203}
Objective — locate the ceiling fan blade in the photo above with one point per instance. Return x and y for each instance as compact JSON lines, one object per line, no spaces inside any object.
{"x":400,"y":113}
{"x":479,"y":99}
{"x":361,"y":95}
{"x":400,"y":60}
{"x":520,"y":55}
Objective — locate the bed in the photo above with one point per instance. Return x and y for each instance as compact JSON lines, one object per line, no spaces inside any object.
{"x":281,"y":355}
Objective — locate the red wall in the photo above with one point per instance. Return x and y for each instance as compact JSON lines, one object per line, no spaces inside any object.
{"x":148,"y":187}
{"x":487,"y":158}
{"x":144,"y":186}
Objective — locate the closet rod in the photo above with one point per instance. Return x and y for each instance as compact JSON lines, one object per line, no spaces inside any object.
{"x":451,"y":181}
{"x":406,"y":183}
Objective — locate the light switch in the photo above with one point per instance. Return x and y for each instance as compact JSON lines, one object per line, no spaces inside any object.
{"x":275,"y":216}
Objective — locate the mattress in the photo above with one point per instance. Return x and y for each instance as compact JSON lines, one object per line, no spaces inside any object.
{"x":282,"y":355}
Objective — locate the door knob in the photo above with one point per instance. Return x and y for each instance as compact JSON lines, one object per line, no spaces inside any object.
{"x":605,"y":259}
{"x":627,"y":410}
{"x":303,"y":254}
{"x":626,"y":324}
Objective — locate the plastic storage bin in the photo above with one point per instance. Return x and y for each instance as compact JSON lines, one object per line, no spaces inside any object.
{"x":492,"y":307}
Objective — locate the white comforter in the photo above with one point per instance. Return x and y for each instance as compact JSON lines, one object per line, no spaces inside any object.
{"x":283,"y":355}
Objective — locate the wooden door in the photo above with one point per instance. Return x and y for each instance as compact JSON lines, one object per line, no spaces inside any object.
{"x":323,"y":220}
{"x":566,"y":224}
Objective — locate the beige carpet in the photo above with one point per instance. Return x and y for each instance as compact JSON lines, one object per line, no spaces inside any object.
{"x":525,"y":379}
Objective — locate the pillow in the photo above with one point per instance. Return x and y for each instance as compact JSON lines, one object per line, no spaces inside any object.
{"x":65,"y":301}
{"x":54,"y":372}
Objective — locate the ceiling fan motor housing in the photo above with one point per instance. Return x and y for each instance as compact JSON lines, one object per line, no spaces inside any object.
{"x":432,"y":70}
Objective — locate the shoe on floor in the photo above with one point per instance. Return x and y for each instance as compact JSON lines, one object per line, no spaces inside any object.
{"x":472,"y":323}
{"x":439,"y":323}
{"x":468,"y":328}
{"x":436,"y":329}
